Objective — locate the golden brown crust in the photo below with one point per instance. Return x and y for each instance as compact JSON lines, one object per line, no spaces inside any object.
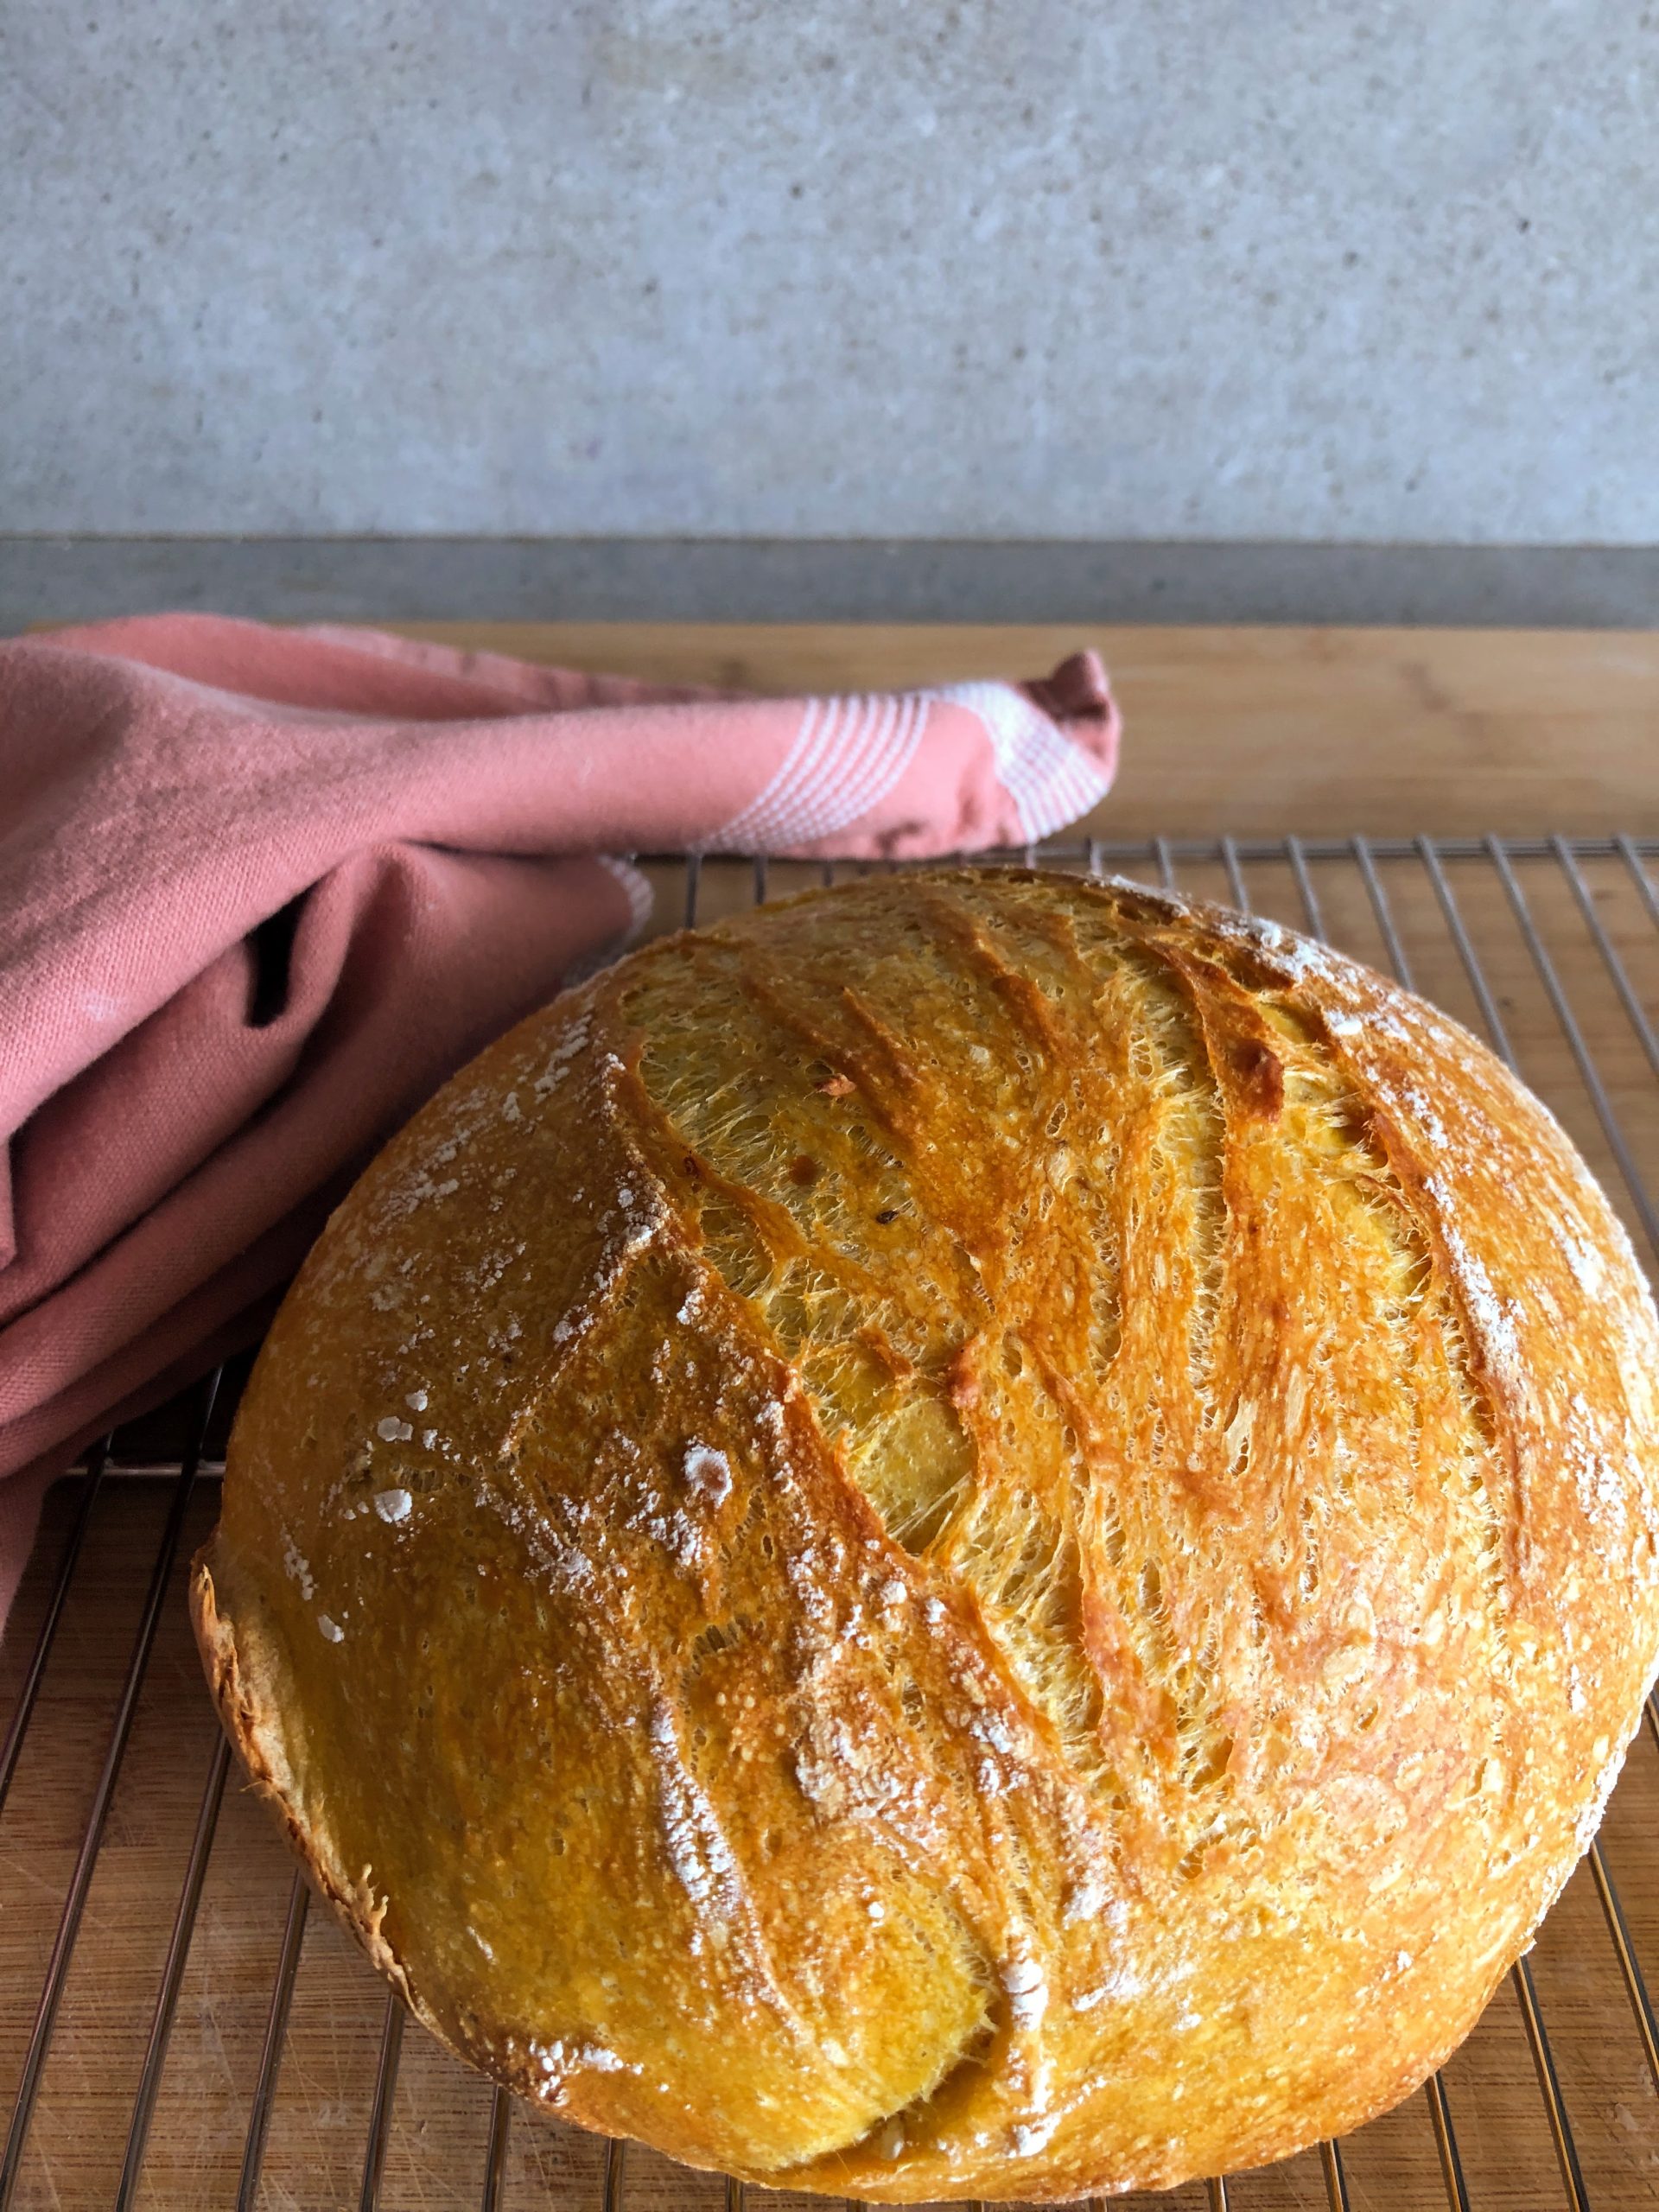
{"x":981,"y":1534}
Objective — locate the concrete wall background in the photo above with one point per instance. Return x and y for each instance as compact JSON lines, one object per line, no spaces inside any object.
{"x":1048,"y":269}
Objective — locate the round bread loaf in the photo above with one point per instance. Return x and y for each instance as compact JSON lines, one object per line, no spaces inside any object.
{"x":981,"y":1535}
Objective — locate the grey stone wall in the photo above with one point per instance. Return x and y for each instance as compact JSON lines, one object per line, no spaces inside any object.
{"x":1046,"y":268}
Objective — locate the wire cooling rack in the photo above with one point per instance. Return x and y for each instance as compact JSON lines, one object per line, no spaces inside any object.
{"x":178,"y":2028}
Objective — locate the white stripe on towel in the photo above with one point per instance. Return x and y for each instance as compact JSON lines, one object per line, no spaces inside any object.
{"x":1049,"y":779}
{"x":636,"y":889}
{"x":846,"y":757}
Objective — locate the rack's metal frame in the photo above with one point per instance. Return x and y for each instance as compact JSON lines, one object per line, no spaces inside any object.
{"x":1158,"y":859}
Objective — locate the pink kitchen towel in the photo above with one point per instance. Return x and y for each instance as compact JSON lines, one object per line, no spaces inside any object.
{"x":262,"y":890}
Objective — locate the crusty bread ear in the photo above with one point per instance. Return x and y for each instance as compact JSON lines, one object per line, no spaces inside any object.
{"x":978,"y":1536}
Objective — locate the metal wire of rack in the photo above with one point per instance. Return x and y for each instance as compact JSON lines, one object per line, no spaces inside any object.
{"x":233,"y":2049}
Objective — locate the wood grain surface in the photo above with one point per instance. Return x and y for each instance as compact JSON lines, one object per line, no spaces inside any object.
{"x":1250,"y":733}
